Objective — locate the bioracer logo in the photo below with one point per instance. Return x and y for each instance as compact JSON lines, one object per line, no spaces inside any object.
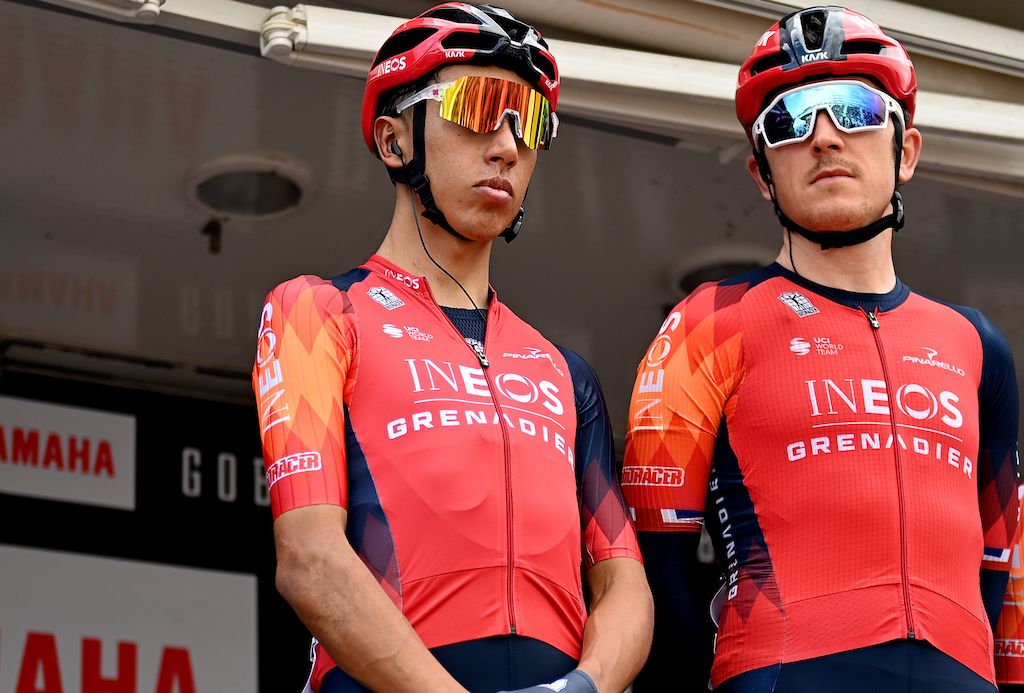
{"x":293,"y":464}
{"x":652,"y":476}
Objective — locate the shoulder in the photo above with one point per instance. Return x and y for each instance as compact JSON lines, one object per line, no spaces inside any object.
{"x":305,"y":299}
{"x":579,"y":368}
{"x":585,"y":383}
{"x":723,"y":297}
{"x":993,"y":344}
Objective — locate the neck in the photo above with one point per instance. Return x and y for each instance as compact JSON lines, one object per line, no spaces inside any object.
{"x":467,"y":261}
{"x":864,"y":268}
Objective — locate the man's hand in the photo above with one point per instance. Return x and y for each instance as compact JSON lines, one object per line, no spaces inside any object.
{"x":575,"y":681}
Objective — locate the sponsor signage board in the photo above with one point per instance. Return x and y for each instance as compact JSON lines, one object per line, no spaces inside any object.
{"x":65,"y":453}
{"x":73,"y":622}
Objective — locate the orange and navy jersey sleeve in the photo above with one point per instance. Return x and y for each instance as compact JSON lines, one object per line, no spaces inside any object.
{"x":301,"y":378}
{"x":684,"y":387}
{"x":607,"y":531}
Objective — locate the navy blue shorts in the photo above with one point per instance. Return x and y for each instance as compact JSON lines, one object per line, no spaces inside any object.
{"x":484,"y":666}
{"x":900,"y":666}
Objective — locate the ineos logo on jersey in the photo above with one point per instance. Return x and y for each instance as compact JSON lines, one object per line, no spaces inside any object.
{"x":799,"y":346}
{"x":652,"y":379}
{"x":828,"y":397}
{"x":661,"y":347}
{"x":269,"y":375}
{"x":430,"y":376}
{"x":411,"y":282}
{"x":930,"y":360}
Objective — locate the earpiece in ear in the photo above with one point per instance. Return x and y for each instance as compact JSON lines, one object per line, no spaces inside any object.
{"x":396,"y":149}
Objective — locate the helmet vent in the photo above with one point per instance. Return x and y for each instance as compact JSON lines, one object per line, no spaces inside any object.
{"x":813,"y":24}
{"x":541,"y":61}
{"x":775,"y":60}
{"x":400,"y":43}
{"x":516,"y":30}
{"x":452,"y":14}
{"x":470,"y":41}
{"x":862,"y":47}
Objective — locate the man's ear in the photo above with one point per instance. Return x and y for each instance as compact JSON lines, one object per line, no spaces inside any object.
{"x":391,"y":134}
{"x":912,"y":142}
{"x":755,"y":172}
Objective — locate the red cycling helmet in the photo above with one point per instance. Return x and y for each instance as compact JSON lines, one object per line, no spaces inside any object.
{"x":453,"y":33}
{"x":818,"y":43}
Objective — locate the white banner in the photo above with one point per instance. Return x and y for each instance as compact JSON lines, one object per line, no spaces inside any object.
{"x":72,"y":622}
{"x":67,"y":453}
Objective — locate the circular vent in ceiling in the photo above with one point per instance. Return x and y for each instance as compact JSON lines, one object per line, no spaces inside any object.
{"x":250,"y":187}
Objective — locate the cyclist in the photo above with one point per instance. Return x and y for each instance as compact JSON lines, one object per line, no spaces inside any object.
{"x":440,"y":473}
{"x":849,"y":442}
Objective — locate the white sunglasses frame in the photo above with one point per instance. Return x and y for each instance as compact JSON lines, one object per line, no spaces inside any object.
{"x":891,"y":106}
{"x":435,"y":92}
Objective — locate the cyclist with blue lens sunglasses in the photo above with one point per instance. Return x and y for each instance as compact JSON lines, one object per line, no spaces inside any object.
{"x":848,"y":443}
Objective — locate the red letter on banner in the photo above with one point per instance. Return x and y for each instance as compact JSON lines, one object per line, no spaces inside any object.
{"x":40,"y":655}
{"x":92,"y":665}
{"x":175,"y":665}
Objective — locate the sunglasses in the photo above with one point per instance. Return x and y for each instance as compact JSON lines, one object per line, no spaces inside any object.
{"x":853,"y":107}
{"x":482,"y":103}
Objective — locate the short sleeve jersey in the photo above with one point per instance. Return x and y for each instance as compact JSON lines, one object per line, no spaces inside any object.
{"x":475,"y":486}
{"x":852,"y":454}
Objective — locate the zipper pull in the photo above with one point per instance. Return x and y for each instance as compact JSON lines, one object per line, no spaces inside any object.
{"x":872,"y":319}
{"x":478,"y":349}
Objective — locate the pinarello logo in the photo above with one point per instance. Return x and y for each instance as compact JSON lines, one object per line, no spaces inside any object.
{"x":392,"y":331}
{"x":799,"y":346}
{"x":293,"y":464}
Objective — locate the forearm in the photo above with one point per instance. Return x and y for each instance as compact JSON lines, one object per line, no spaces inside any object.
{"x":617,"y":636}
{"x":341,"y":603}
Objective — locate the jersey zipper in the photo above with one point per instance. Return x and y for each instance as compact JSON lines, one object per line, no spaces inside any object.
{"x":904,"y":570}
{"x":510,"y":585}
{"x":480,"y":351}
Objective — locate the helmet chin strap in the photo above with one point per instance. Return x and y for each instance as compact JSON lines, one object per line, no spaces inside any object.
{"x":414,"y":175}
{"x":841,"y":239}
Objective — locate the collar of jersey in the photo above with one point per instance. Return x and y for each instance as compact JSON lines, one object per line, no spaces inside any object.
{"x":381,"y":265}
{"x":852,"y":299}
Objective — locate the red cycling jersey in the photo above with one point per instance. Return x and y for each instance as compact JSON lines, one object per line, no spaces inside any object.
{"x":460,"y":472}
{"x":853,"y":455}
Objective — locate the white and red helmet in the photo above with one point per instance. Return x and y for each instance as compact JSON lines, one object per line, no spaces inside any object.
{"x":452,"y":33}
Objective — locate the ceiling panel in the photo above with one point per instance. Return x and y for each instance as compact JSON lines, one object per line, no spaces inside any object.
{"x":103,"y":251}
